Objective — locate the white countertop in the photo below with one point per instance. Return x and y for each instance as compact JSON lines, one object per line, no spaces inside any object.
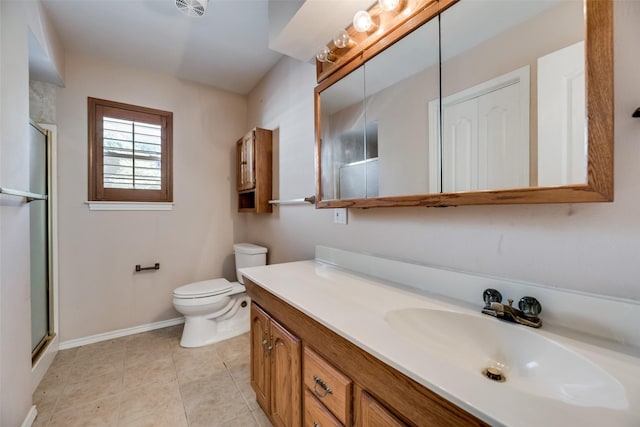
{"x":355,"y":307}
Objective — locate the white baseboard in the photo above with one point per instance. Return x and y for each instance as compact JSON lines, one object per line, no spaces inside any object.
{"x":120,"y":333}
{"x":31,"y":417}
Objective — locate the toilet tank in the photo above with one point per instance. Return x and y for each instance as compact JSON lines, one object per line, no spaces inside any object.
{"x":248,"y":255}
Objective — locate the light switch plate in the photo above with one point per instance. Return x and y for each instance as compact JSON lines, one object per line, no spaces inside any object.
{"x":340,"y":215}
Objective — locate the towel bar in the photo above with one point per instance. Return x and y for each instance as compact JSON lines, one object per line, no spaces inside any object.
{"x":310,"y":199}
{"x":27,"y":194}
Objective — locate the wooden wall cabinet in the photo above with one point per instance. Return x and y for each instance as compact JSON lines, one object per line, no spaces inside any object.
{"x":365,"y":392}
{"x":275,"y":369}
{"x":253,"y":171}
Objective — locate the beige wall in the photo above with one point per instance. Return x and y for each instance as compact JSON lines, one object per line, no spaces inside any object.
{"x":15,"y":309}
{"x":99,"y":291}
{"x":283,"y":101}
{"x":588,"y":247}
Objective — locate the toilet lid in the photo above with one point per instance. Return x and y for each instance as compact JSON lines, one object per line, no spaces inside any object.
{"x":206,"y":288}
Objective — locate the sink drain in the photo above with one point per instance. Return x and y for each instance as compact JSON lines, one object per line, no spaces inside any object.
{"x":494,"y":374}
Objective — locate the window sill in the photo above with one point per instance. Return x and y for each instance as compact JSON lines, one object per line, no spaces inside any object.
{"x":130,"y":206}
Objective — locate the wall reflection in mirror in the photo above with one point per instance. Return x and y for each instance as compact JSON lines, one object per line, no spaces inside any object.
{"x":489,"y":95}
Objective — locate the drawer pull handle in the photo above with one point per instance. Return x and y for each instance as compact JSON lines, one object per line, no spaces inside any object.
{"x":325,"y":390}
{"x":315,"y":424}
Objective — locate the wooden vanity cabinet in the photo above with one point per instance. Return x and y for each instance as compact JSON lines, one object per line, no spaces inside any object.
{"x":380,"y":394}
{"x":275,"y":369}
{"x":253,"y":171}
{"x":372,"y":414}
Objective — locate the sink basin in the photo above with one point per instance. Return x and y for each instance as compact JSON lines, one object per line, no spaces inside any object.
{"x":530,"y":362}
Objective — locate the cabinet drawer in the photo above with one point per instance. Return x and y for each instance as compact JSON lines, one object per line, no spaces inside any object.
{"x":329,"y":385}
{"x":315,"y":414}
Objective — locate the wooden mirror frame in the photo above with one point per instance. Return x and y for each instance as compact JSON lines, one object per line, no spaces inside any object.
{"x":599,"y":115}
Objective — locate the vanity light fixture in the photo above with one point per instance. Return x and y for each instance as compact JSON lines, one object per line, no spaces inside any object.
{"x":388,"y":5}
{"x":325,"y":55}
{"x":362,"y":21}
{"x":341,"y":39}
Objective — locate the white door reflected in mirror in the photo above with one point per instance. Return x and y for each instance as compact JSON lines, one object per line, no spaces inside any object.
{"x":562,"y":139}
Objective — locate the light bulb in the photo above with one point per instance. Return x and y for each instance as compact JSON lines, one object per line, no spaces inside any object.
{"x":362,"y":21}
{"x":388,"y":4}
{"x":324,"y":54}
{"x":341,"y":39}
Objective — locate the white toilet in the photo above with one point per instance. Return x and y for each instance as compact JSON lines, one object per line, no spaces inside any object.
{"x":216,"y":309}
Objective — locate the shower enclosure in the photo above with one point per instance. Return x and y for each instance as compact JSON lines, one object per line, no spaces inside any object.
{"x":40,"y":240}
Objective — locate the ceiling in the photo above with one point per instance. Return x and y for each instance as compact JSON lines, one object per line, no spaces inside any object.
{"x":225,"y":48}
{"x":231,"y":47}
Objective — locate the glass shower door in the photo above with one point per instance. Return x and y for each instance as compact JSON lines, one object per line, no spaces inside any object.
{"x":39,"y":240}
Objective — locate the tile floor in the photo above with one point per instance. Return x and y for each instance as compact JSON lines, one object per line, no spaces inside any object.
{"x":149,"y":380}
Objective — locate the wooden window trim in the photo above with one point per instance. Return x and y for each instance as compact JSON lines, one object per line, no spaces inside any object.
{"x":97,"y":192}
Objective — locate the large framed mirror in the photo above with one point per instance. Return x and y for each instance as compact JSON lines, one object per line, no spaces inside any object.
{"x":472,"y":102}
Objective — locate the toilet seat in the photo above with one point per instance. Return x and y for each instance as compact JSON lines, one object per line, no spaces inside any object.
{"x":205,"y":288}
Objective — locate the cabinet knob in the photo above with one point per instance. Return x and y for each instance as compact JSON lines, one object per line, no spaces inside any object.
{"x":315,"y":424}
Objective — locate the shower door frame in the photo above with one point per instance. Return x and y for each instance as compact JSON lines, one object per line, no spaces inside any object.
{"x":44,"y":358}
{"x":41,"y":347}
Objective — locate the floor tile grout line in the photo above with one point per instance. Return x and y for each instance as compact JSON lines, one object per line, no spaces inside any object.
{"x":119,"y":395}
{"x":63,"y":386}
{"x":180,"y":386}
{"x":236,"y":384}
{"x":255,"y":420}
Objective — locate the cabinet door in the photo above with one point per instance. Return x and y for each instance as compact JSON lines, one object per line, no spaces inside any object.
{"x":260,"y":368}
{"x":373,"y":414}
{"x":285,"y":378}
{"x":246,"y":162}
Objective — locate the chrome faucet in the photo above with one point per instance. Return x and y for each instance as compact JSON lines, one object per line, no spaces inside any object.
{"x":527,"y":314}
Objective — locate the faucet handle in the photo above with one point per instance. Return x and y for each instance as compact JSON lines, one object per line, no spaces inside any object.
{"x":530,"y":306}
{"x":491,"y":295}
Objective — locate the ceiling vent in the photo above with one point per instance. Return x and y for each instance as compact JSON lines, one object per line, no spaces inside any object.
{"x":192,"y":7}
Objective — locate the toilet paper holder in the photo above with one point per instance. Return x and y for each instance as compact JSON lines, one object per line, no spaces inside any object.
{"x":155,"y":267}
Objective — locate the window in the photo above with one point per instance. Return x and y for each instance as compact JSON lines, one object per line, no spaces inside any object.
{"x":130,"y":153}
